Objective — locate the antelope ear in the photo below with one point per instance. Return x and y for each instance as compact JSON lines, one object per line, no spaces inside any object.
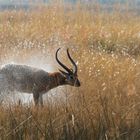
{"x":71,"y":70}
{"x":63,"y":72}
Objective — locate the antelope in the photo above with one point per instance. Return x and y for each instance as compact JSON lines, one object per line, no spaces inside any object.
{"x":27,"y":79}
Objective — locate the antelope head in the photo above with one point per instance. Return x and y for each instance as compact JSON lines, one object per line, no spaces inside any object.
{"x":71,"y":77}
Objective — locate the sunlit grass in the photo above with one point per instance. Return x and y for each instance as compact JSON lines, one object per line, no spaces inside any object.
{"x":106,"y":46}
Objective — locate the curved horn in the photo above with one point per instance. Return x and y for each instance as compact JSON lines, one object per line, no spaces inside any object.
{"x":72,"y":61}
{"x":61,"y":64}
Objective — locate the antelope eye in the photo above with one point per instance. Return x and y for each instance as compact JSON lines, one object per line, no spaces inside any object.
{"x":71,"y":77}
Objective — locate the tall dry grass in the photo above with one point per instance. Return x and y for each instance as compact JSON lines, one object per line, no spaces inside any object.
{"x":106,"y":46}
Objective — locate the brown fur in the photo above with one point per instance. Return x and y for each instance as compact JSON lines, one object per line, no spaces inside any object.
{"x":28,"y":79}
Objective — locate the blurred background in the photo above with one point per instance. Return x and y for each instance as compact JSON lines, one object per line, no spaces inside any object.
{"x":27,"y":4}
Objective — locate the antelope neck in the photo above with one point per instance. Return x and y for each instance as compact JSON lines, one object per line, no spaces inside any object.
{"x":57,"y":79}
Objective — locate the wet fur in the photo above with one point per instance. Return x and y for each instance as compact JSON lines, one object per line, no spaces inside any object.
{"x":28,"y":79}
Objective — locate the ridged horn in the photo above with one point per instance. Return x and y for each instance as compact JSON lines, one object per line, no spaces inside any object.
{"x":72,"y":61}
{"x":60,"y":63}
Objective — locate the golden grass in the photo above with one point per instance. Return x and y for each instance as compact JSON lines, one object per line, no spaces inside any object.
{"x":106,"y":46}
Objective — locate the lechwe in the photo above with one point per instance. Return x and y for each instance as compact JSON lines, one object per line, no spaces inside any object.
{"x":27,"y":79}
